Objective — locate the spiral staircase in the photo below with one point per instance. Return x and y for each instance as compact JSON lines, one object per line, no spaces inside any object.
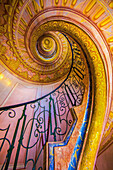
{"x":63,"y":50}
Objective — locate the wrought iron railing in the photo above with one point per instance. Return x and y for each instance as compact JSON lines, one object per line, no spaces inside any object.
{"x":32,"y":124}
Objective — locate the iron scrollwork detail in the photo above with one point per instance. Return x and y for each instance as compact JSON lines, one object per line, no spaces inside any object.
{"x":49,"y":119}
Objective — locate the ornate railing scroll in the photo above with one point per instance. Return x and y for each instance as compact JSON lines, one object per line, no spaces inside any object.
{"x":31,"y":125}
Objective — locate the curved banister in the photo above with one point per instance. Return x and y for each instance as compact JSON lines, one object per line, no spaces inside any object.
{"x":45,"y":120}
{"x":33,"y":101}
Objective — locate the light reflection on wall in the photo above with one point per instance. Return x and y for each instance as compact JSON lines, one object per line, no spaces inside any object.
{"x":14,"y":90}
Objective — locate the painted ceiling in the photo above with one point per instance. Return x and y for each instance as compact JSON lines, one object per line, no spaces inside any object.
{"x":34,"y":48}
